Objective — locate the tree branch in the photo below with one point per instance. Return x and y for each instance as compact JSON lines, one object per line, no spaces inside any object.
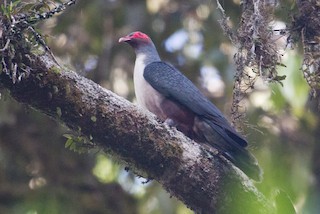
{"x":204,"y":181}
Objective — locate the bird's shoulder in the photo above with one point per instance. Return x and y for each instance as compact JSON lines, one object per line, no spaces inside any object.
{"x":162,"y":76}
{"x":168,"y":80}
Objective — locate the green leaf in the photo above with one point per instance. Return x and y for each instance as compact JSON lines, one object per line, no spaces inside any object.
{"x":68,"y":143}
{"x":68,"y":136}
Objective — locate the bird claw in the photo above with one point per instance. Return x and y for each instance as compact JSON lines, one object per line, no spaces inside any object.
{"x":170,"y":122}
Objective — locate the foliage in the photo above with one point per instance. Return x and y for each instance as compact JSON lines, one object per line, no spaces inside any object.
{"x":78,"y":143}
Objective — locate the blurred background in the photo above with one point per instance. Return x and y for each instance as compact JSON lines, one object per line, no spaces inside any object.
{"x":39,"y":175}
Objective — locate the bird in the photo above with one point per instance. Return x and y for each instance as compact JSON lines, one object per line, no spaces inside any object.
{"x":174,"y":99}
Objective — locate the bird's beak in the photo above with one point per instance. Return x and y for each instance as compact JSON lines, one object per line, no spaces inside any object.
{"x":124,"y":39}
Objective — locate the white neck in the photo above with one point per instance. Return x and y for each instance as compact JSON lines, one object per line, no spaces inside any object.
{"x":142,"y":88}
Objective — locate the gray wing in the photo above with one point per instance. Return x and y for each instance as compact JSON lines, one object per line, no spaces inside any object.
{"x":175,"y":86}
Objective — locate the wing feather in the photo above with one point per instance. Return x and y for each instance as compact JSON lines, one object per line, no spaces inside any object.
{"x":174,"y":85}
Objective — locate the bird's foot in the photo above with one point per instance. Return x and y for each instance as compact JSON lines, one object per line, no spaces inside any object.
{"x":170,"y":122}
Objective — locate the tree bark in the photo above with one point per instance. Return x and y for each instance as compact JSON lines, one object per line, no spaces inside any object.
{"x":204,"y":181}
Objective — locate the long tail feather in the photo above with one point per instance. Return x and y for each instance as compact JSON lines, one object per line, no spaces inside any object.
{"x":220,"y":139}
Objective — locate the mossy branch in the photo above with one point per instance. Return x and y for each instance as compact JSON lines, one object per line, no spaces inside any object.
{"x":204,"y":181}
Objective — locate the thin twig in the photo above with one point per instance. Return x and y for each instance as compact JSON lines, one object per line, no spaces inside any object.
{"x":224,"y":24}
{"x":6,"y":46}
